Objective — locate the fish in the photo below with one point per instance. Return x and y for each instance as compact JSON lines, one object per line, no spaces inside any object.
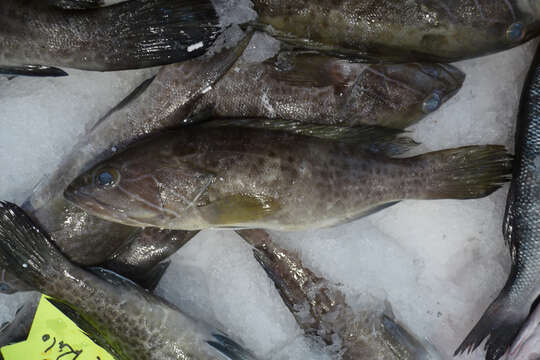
{"x":197,"y":178}
{"x":158,"y":103}
{"x":311,"y":88}
{"x":321,"y":309}
{"x":17,"y":330}
{"x":526,"y":345}
{"x":36,"y":37}
{"x":502,"y":320}
{"x":397,"y":31}
{"x":132,"y":323}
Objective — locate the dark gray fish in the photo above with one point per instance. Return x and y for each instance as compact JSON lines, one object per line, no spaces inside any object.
{"x":506,"y":314}
{"x":321,"y":310}
{"x":130,"y":35}
{"x":133,"y":323}
{"x":324,"y":90}
{"x":401,"y":31}
{"x":199,"y":178}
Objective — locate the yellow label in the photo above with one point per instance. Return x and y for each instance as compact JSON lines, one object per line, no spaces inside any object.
{"x":54,"y":336}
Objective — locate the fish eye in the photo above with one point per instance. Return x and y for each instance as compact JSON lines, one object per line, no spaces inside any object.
{"x":515,"y":32}
{"x":431,"y":103}
{"x":107,"y":177}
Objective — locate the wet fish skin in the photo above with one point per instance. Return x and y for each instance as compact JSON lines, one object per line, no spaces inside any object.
{"x":135,"y":324}
{"x":325,"y":90}
{"x":502,"y":320}
{"x":321,"y":309}
{"x":158,"y":32}
{"x":393,"y":30}
{"x":159,"y":103}
{"x":199,"y":178}
{"x":83,"y":4}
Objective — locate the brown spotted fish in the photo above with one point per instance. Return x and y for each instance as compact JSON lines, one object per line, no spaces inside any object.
{"x":321,"y":309}
{"x":198,"y":178}
{"x":133,"y":323}
{"x":37,"y":37}
{"x":325,"y":90}
{"x":401,"y":31}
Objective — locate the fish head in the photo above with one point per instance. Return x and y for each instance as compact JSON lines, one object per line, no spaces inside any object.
{"x":146,"y":185}
{"x":406,"y":93}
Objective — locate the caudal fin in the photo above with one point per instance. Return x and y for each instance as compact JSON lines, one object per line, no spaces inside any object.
{"x":24,"y":248}
{"x":463,"y":173}
{"x":145,"y":33}
{"x":500,"y":324}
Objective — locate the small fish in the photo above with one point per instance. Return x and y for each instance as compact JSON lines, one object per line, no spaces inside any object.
{"x":321,"y":310}
{"x":133,"y":323}
{"x":401,"y":31}
{"x":324,"y":90}
{"x":526,"y":346}
{"x":502,"y":320}
{"x":199,"y":178}
{"x":36,"y":37}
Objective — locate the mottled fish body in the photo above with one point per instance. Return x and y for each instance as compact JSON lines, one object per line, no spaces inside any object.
{"x":129,"y":35}
{"x":504,"y":317}
{"x":321,"y":309}
{"x":396,"y":30}
{"x":325,"y":90}
{"x":133,"y":323}
{"x":199,"y":178}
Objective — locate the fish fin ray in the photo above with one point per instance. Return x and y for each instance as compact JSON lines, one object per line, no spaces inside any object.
{"x":499,"y":325}
{"x":134,"y":95}
{"x":160,"y":32}
{"x":468,"y":172}
{"x":377,"y":139}
{"x":33,"y":70}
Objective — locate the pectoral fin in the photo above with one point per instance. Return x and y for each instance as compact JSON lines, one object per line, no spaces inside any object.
{"x":239,"y":209}
{"x":32,"y":70}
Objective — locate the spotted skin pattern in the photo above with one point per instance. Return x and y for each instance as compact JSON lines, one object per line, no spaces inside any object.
{"x":396,"y":30}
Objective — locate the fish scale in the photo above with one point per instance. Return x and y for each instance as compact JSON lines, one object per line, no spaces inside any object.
{"x":502,"y":320}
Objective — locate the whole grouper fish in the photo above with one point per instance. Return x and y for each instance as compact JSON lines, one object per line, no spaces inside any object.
{"x":397,"y":30}
{"x":133,"y":323}
{"x":321,"y":309}
{"x":198,"y":178}
{"x":36,"y":37}
{"x":504,"y":317}
{"x":327,"y":90}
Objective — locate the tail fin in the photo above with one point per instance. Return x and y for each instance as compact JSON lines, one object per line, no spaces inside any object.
{"x":229,"y":348}
{"x":500,"y":324}
{"x":158,"y":32}
{"x":24,"y":248}
{"x":464,"y":173}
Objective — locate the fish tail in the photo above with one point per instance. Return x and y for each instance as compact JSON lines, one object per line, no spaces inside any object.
{"x":500,"y":324}
{"x":158,"y":32}
{"x":25,"y":249}
{"x":230,"y":348}
{"x":464,"y":173}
